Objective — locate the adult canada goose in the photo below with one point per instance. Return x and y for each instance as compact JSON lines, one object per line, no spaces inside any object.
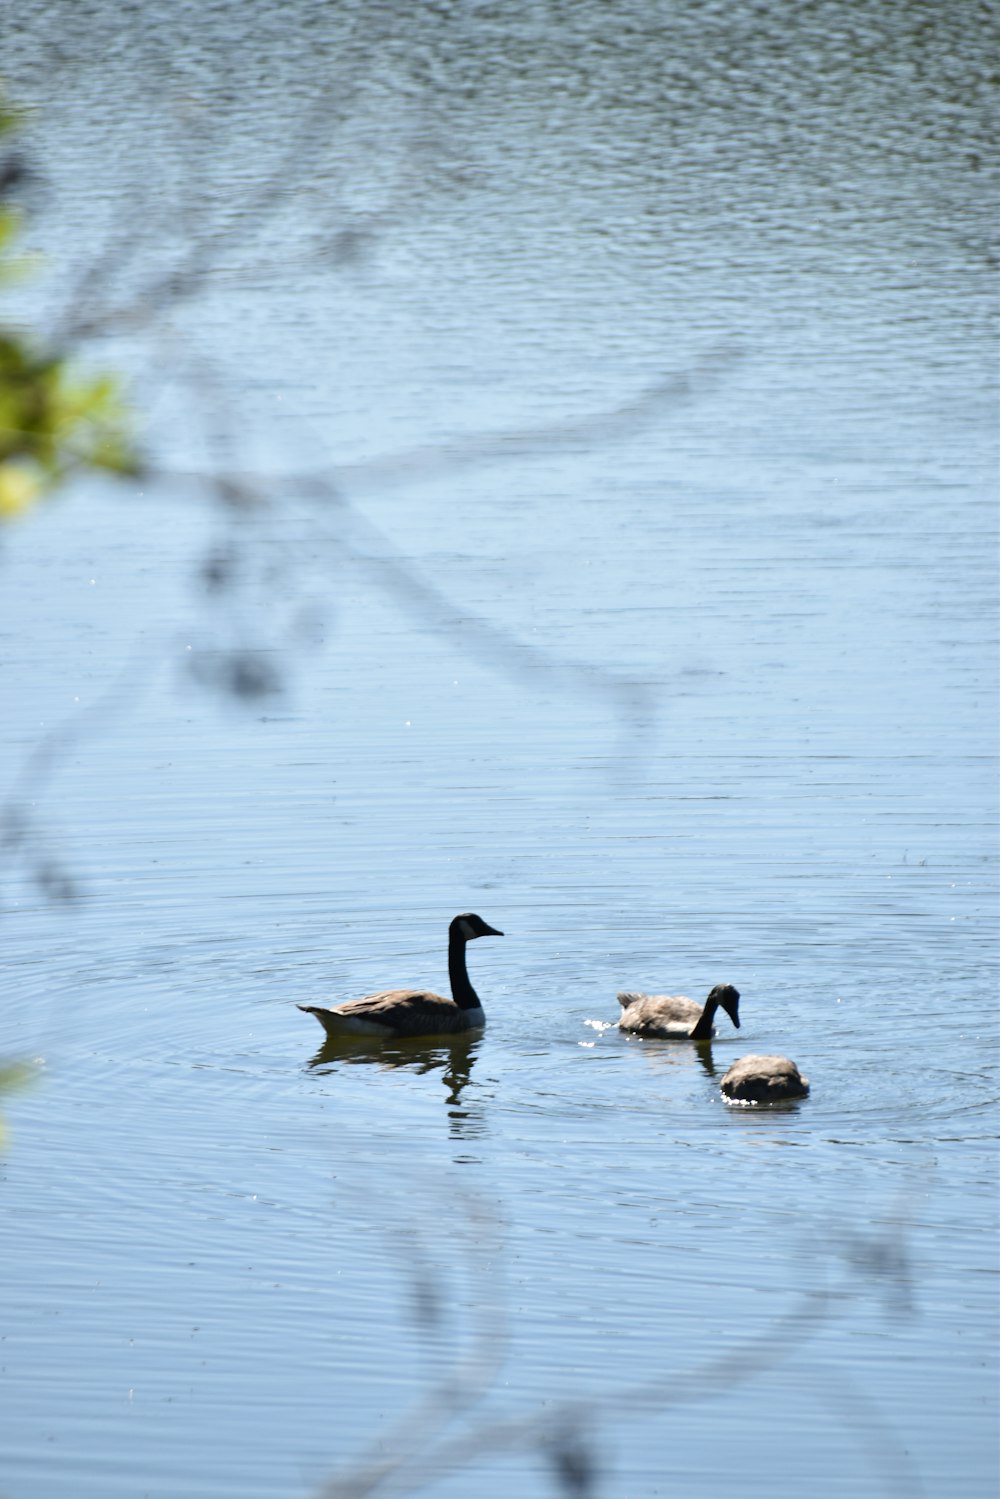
{"x":675,"y":1018}
{"x":416,"y":1012}
{"x":764,"y":1080}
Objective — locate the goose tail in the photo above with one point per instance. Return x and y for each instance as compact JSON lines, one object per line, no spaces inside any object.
{"x":327,"y":1018}
{"x":336,"y":1023}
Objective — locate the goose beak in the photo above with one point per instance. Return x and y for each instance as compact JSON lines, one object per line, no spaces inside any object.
{"x":490,"y":931}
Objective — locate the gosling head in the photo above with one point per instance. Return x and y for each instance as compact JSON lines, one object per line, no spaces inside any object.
{"x":728,"y":999}
{"x":468,"y":926}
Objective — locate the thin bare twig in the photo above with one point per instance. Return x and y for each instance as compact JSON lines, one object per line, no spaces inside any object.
{"x":358,"y":541}
{"x":468,"y":1379}
{"x":188,"y":276}
{"x":736,"y":1366}
{"x":18,"y":831}
{"x":558,"y":1429}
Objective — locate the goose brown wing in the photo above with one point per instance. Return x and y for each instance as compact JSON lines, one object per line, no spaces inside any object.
{"x":407,"y":1012}
{"x":386,"y":1005}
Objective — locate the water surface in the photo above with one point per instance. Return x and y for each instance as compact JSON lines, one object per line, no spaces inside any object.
{"x":703,"y":691}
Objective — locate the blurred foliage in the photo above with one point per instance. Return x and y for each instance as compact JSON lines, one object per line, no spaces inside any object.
{"x":12,"y":1075}
{"x":54,"y":421}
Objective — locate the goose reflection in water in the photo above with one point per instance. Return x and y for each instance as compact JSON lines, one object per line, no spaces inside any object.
{"x":453,"y":1056}
{"x":666,"y":1054}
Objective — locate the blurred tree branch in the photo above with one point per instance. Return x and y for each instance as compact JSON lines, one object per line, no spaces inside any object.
{"x":259,"y":608}
{"x":55,"y":421}
{"x":421,"y":1448}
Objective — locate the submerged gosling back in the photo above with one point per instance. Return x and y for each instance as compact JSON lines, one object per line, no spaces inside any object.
{"x":763,"y":1080}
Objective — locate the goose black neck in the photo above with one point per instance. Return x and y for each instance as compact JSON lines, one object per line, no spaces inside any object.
{"x":703,"y":1029}
{"x":462,"y":991}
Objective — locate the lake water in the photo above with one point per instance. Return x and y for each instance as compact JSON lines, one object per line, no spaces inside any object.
{"x":615,"y":390}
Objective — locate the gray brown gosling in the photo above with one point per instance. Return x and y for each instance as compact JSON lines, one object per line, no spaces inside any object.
{"x":673,"y":1017}
{"x":764,"y":1080}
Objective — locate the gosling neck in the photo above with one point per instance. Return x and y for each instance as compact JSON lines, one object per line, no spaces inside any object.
{"x":704,"y":1027}
{"x":462,"y":991}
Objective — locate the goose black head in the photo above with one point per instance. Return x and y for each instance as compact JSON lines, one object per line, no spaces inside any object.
{"x":469,"y":926}
{"x":728,"y":999}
